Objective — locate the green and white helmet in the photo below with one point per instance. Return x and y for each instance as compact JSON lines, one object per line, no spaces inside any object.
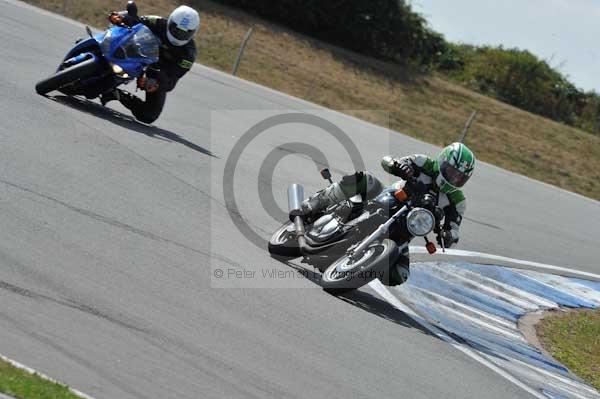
{"x":456,"y":164}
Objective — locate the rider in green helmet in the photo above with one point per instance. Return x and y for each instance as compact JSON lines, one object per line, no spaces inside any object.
{"x":446,"y":174}
{"x":455,"y":164}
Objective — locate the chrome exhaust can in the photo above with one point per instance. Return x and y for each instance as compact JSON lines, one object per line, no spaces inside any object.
{"x":295,"y":198}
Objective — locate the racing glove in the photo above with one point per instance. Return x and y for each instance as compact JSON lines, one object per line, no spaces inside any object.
{"x":119,"y":18}
{"x":122,"y":18}
{"x":405,"y":171}
{"x":115,"y":18}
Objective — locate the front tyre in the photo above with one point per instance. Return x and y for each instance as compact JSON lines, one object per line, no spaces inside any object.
{"x":347,"y":274}
{"x":77,"y":72}
{"x":284,"y":243}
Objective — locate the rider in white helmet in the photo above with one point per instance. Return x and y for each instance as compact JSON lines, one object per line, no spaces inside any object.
{"x":177,"y":55}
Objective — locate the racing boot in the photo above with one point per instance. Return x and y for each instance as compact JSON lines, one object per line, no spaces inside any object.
{"x":398,"y":275}
{"x":322,"y":199}
{"x":110,"y":96}
{"x":399,"y":272}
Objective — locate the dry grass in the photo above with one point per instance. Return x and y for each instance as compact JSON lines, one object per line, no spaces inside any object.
{"x":573,"y":338}
{"x":426,"y":107}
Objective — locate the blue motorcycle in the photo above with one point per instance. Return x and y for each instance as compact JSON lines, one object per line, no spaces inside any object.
{"x":105,"y":61}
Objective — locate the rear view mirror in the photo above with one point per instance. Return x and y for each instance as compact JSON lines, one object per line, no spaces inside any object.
{"x":326,"y":174}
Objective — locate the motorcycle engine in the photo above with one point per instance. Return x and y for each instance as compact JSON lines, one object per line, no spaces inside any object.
{"x":324,"y":228}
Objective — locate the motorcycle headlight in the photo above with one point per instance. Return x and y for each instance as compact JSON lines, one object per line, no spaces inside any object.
{"x":119,"y":71}
{"x":420,"y":222}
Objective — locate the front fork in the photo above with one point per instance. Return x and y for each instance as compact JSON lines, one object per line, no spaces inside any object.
{"x":376,"y":235}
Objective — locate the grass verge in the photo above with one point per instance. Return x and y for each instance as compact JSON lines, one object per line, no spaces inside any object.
{"x":427,"y":107}
{"x":22,"y":385}
{"x":573,"y":338}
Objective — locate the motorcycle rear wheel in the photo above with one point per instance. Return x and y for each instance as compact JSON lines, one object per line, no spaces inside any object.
{"x":374,"y":263}
{"x":82,"y":70}
{"x":283,"y":243}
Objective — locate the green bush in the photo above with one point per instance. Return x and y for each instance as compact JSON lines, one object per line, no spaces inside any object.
{"x":386,"y":29}
{"x":589,"y":117}
{"x":521,"y":79}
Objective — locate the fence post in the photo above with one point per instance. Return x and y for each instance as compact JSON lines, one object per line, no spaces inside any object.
{"x":241,"y":51}
{"x":463,"y":136}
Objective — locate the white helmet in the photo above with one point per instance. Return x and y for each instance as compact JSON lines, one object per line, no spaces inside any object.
{"x":182,"y":25}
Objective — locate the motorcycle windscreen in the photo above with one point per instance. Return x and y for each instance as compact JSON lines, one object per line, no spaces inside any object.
{"x":141,"y":44}
{"x":107,"y":41}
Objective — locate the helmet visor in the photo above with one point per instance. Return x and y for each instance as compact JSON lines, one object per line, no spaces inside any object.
{"x":180,"y":34}
{"x":453,"y":175}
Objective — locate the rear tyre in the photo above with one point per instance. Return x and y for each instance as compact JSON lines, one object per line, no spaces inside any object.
{"x":346,"y":275}
{"x":283,"y":242}
{"x":82,"y":70}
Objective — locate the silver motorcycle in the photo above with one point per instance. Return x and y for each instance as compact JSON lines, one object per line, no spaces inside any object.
{"x":355,"y":241}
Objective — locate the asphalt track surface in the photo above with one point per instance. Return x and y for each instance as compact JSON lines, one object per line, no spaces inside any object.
{"x":111,"y":232}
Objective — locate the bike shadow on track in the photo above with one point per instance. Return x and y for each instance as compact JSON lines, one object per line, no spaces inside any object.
{"x":127,"y":122}
{"x":363,"y":300}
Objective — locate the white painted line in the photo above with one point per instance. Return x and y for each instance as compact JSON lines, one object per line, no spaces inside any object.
{"x":382,"y":290}
{"x":32,"y":371}
{"x":541,"y":266}
{"x":558,"y":377}
{"x":482,"y":321}
{"x":508,"y":295}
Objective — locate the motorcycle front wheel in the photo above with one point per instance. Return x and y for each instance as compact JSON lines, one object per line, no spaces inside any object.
{"x":77,"y":72}
{"x":347,"y":274}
